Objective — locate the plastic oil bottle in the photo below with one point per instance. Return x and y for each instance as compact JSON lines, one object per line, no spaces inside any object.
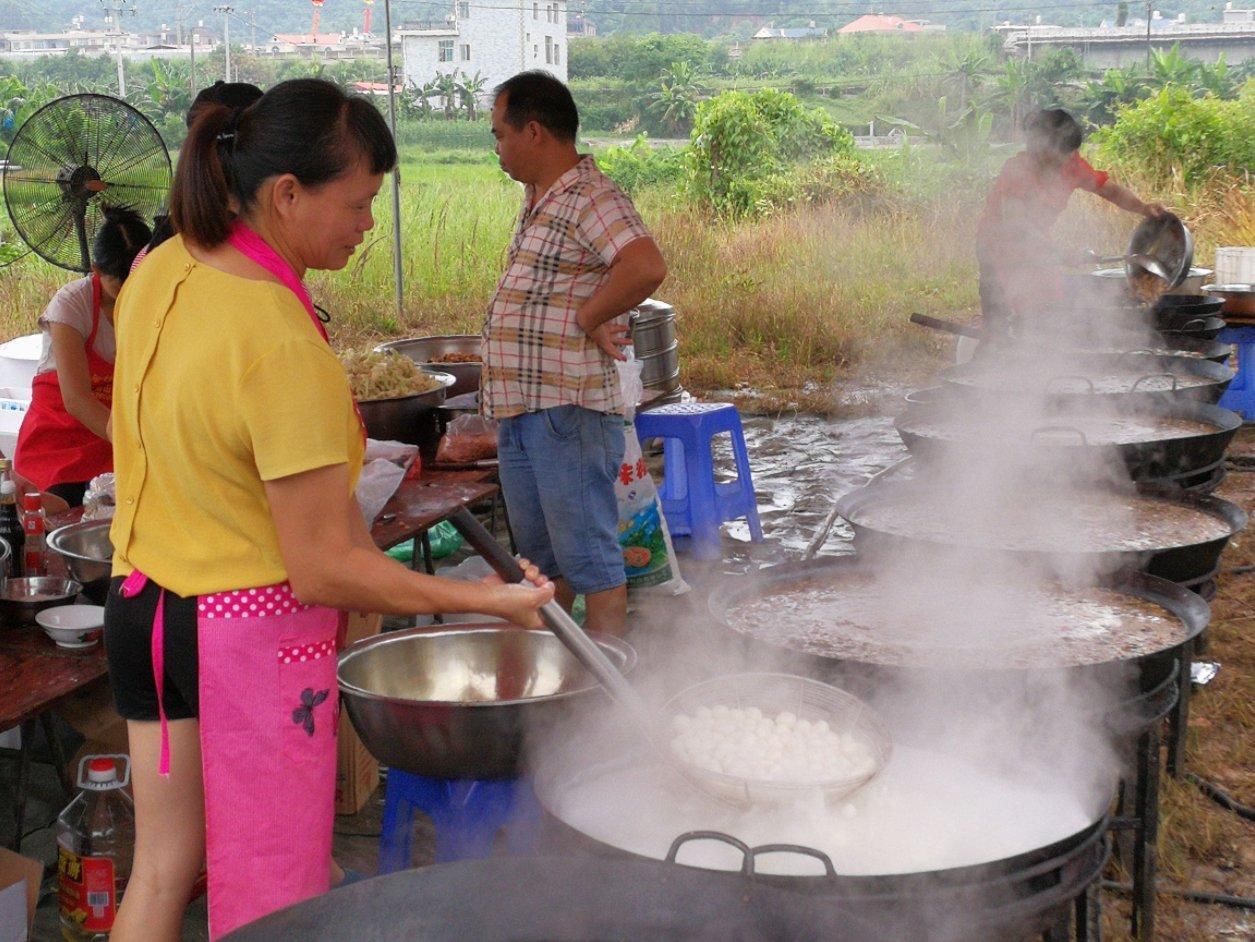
{"x":95,"y":845}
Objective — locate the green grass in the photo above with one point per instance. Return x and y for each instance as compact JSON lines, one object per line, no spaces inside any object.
{"x":807,"y":297}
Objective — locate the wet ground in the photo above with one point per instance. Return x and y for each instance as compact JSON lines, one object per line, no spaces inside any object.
{"x":801,"y":464}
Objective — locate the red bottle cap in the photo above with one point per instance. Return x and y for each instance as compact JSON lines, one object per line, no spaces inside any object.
{"x":101,"y":770}
{"x":32,"y":501}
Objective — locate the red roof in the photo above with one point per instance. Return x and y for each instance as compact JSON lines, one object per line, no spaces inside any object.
{"x":879,"y":23}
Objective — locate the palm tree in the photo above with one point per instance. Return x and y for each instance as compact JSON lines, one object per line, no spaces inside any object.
{"x":967,"y":71}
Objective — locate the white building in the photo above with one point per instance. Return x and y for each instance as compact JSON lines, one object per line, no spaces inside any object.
{"x":496,"y":38}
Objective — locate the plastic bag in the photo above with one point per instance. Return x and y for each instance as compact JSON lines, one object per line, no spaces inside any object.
{"x":468,"y":438}
{"x":99,"y":498}
{"x":648,"y":556}
{"x":385,"y":467}
{"x":630,"y":383}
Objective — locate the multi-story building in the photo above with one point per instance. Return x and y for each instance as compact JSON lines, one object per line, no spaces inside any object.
{"x":495,"y":38}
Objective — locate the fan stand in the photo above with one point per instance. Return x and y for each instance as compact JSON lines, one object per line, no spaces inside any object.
{"x":79,"y":185}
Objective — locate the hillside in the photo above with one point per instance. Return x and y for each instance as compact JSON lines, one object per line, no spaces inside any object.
{"x":704,"y":17}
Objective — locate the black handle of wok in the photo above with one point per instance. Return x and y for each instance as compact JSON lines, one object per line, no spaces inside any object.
{"x":950,"y":327}
{"x":587,"y":651}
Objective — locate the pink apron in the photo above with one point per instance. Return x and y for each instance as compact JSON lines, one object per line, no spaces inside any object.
{"x":268,"y":705}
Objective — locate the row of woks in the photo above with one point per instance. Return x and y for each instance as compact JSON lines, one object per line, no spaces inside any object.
{"x":1137,"y":662}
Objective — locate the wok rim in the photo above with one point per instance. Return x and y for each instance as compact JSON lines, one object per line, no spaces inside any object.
{"x":1187,"y":606}
{"x":1233,"y":516}
{"x":618,"y":645}
{"x":1216,"y":373}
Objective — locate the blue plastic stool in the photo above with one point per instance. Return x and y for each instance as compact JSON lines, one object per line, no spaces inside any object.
{"x":468,"y":816}
{"x":694,"y":503}
{"x":1240,"y":396}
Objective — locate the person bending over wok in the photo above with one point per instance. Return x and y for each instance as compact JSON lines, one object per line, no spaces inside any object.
{"x":64,"y":440}
{"x":1019,"y":263}
{"x":237,"y":538}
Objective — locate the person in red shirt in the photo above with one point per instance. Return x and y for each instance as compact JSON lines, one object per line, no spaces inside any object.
{"x":1019,"y":263}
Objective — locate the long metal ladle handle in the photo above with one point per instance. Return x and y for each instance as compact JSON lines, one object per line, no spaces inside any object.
{"x":554,"y":616}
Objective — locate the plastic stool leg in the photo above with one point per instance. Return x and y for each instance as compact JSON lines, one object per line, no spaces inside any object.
{"x":746,"y":481}
{"x":398,"y":826}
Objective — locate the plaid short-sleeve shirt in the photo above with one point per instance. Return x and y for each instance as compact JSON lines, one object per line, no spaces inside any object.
{"x":535,"y":354}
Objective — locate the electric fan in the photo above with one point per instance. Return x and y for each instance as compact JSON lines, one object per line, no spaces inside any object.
{"x":72,"y":158}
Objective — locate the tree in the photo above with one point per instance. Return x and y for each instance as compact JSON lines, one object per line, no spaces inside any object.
{"x":675,"y":102}
{"x":469,"y":89}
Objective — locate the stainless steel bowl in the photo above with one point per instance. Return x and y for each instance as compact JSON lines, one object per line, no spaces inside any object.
{"x":410,"y":419}
{"x":88,"y":554}
{"x":456,"y":702}
{"x":425,"y":351}
{"x":24,"y":598}
{"x":1239,"y":299}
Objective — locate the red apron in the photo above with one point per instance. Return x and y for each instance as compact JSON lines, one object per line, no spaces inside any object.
{"x":53,"y":447}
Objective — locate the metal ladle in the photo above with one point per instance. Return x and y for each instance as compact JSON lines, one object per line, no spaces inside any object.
{"x":1146,"y":262}
{"x":615,"y":684}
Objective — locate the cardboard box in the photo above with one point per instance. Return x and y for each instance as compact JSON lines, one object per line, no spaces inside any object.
{"x":19,"y":892}
{"x":357,"y":771}
{"x":91,"y":713}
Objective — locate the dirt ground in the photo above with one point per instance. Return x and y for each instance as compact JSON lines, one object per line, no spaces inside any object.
{"x":1202,"y":846}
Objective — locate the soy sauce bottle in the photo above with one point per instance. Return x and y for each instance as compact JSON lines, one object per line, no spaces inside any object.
{"x":12,"y":530}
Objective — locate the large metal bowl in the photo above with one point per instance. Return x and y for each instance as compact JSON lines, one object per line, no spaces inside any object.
{"x":426,"y":351}
{"x":88,"y":554}
{"x":456,"y":702}
{"x":410,"y":419}
{"x":22,"y":599}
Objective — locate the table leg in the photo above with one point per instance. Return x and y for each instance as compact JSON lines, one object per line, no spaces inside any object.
{"x":59,"y":760}
{"x":23,"y":783}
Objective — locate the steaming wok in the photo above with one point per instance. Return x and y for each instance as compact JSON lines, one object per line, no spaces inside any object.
{"x":1126,"y":378}
{"x":1159,"y":529}
{"x":1176,"y":440}
{"x":1007,"y":894}
{"x":830,"y":612}
{"x":1203,"y":328}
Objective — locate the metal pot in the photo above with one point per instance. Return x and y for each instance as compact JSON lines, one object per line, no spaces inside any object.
{"x":22,"y":599}
{"x":653,"y":339}
{"x":1202,"y":328}
{"x":425,"y":351}
{"x":88,"y":553}
{"x":1192,"y":283}
{"x":455,"y":702}
{"x":414,"y":419}
{"x":1173,"y":309}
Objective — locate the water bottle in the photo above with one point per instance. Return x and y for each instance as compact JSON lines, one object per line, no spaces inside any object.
{"x":95,"y":844}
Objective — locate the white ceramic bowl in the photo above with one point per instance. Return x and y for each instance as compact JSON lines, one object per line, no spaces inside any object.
{"x":73,"y":626}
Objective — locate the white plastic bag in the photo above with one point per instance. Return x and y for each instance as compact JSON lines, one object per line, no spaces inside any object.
{"x":382,"y":473}
{"x":630,"y":384}
{"x":99,"y":498}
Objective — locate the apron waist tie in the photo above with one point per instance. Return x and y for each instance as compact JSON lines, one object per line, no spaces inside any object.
{"x":132,"y":586}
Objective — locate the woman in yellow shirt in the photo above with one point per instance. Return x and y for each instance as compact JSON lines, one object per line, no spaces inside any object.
{"x":237,"y":538}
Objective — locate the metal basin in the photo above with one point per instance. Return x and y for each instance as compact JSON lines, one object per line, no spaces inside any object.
{"x":88,"y":554}
{"x":22,"y":599}
{"x":426,"y":351}
{"x":456,"y":702}
{"x":410,"y":419}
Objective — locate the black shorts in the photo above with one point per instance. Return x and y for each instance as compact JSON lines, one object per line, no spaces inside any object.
{"x":128,"y":646}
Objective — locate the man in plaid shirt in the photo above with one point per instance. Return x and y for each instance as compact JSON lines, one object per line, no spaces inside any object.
{"x":581,"y":259}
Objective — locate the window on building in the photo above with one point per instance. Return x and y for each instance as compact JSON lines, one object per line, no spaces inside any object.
{"x":464,"y":9}
{"x":549,"y":50}
{"x":444,"y":50}
{"x":535,"y":11}
{"x":557,"y":54}
{"x":466,"y":52}
{"x":535,"y":51}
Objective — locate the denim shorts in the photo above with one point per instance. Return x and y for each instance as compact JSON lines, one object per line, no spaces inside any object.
{"x":558,"y":468}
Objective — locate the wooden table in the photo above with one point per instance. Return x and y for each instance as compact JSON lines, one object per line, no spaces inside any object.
{"x":36,"y":675}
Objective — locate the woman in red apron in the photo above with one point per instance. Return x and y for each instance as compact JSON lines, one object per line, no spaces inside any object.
{"x":238,"y":542}
{"x":63,"y":442}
